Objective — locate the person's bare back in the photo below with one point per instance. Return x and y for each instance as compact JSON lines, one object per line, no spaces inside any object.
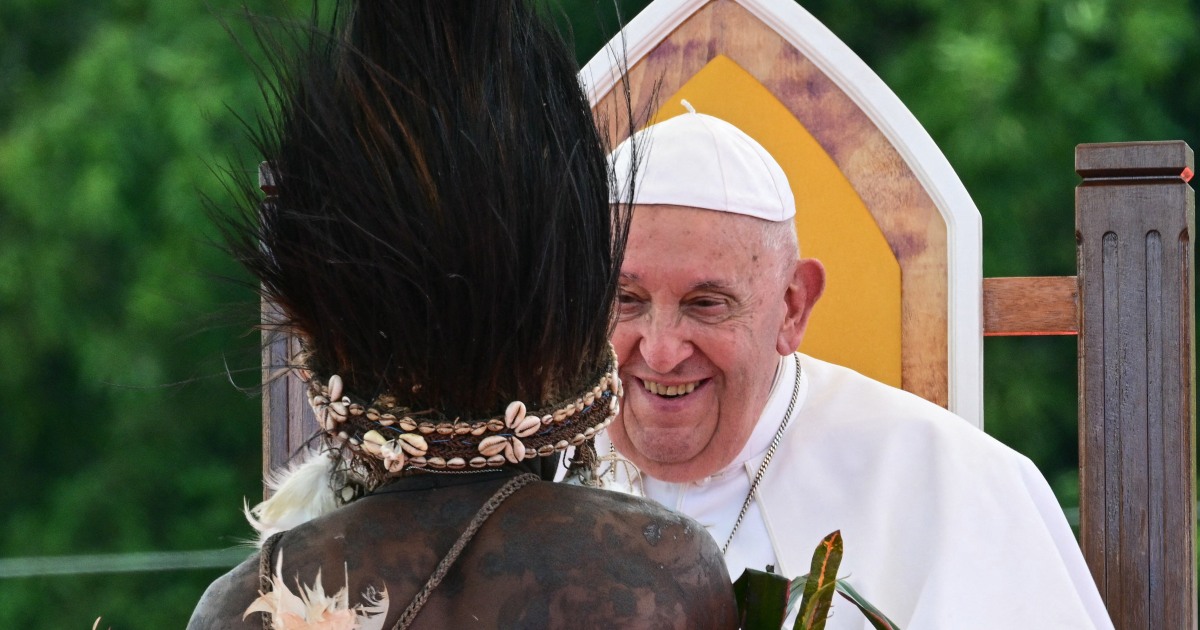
{"x":551,"y":556}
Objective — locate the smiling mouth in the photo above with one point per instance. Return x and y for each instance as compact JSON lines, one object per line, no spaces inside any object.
{"x":670,"y":391}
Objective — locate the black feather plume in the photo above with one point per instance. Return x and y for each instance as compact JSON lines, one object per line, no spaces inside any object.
{"x":442,"y":228}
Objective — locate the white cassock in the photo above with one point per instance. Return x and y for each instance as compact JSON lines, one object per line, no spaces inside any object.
{"x":943,"y":526}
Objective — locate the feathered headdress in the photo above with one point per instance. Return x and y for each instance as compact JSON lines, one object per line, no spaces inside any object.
{"x":440,"y":234}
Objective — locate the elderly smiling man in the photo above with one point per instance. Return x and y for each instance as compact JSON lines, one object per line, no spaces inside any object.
{"x":771,"y":450}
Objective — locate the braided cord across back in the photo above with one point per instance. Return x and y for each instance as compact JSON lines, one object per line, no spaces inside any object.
{"x":507,"y":490}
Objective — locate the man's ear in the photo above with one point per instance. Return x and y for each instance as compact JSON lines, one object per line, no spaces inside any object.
{"x":805,"y":288}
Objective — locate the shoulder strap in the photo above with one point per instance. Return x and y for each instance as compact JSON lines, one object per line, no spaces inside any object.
{"x":265,"y":583}
{"x":507,"y":490}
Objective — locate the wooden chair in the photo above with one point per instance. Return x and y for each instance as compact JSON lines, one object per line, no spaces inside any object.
{"x":901,"y":239}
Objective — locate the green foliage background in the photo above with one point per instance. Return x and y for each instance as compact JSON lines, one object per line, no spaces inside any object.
{"x":122,"y":339}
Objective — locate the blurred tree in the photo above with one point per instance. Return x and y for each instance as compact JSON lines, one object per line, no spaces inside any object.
{"x":124,"y":431}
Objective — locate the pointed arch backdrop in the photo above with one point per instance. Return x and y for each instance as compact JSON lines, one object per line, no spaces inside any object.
{"x":877,"y":201}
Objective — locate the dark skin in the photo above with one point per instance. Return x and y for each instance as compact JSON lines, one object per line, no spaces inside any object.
{"x":552,"y":556}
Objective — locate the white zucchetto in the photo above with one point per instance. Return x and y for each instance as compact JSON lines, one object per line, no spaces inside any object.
{"x":699,"y":161}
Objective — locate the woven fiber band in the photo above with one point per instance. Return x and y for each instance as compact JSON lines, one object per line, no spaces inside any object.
{"x":392,"y":435}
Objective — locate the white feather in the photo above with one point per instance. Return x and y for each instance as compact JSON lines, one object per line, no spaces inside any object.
{"x":301,"y":493}
{"x":311,"y":609}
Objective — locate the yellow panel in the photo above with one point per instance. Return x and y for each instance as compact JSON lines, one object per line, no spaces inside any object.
{"x":857,"y":322}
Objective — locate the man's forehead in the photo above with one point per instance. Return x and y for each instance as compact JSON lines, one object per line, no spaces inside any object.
{"x":698,"y":269}
{"x":687,"y":249}
{"x":696,"y":228}
{"x":703,"y":280}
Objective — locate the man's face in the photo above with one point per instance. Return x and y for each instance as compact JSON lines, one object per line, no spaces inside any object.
{"x":705,"y":309}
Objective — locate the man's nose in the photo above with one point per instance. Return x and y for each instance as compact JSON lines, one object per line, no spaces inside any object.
{"x":664,"y":345}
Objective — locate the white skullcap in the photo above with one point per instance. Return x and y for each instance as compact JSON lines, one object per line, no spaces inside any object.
{"x":699,"y":161}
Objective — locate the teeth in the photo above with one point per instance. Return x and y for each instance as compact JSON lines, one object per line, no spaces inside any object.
{"x":670,"y":390}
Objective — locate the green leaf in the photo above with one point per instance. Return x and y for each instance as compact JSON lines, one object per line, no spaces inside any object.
{"x":816,"y":613}
{"x":762,"y":599}
{"x":878,"y":620}
{"x":820,"y":584}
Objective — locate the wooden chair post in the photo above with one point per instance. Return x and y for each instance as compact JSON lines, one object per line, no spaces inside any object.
{"x":1134,"y":214}
{"x":287,"y":419}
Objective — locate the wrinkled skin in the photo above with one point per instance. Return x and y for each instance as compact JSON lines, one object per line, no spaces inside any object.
{"x":551,"y":556}
{"x":707,"y":306}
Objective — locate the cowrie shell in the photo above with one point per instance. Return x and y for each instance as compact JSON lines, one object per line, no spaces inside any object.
{"x":528,"y":426}
{"x":445,"y":429}
{"x":492,"y":445}
{"x":417,"y":461}
{"x":514,"y":450}
{"x":322,"y":414}
{"x":394,"y":463}
{"x":589,"y":432}
{"x":495,"y":424}
{"x":545,"y":450}
{"x":337,"y":409}
{"x":588,"y":399}
{"x":578,"y":439}
{"x":437,"y":462}
{"x":372,"y":448}
{"x":479,"y":428}
{"x":495,"y":460}
{"x":373,"y":414}
{"x":478,"y":462}
{"x":547,"y":419}
{"x":514,"y":414}
{"x":374,"y":437}
{"x":560,"y":415}
{"x":318,"y":400}
{"x":335,"y":387}
{"x":413,"y":444}
{"x":461,"y":428}
{"x":456,"y":463}
{"x":356,"y":409}
{"x":406,"y":424}
{"x":426,"y":428}
{"x":561,"y":444}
